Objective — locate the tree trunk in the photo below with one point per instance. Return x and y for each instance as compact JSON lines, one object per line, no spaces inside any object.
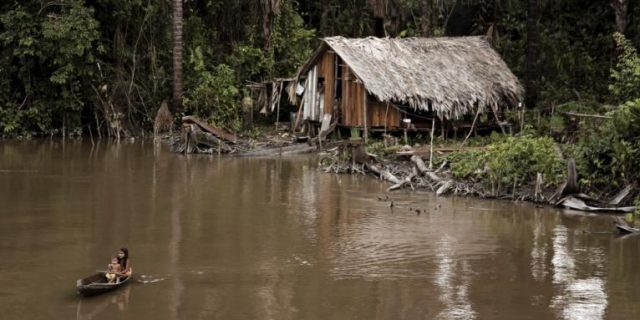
{"x":324,"y":18}
{"x":177,"y":56}
{"x":531,"y":81}
{"x":621,"y":8}
{"x":269,"y":9}
{"x":425,"y":21}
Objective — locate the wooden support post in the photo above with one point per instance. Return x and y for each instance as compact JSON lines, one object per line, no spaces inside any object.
{"x":473,"y":126}
{"x":433,"y":126}
{"x":279,"y":86}
{"x":386,"y":118}
{"x":364,"y":107}
{"x":495,"y":114}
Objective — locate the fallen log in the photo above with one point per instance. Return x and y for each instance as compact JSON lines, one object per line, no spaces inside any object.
{"x":424,"y":171}
{"x":280,"y":151}
{"x":444,"y":187}
{"x":405,"y":181}
{"x":199,"y":141}
{"x":433,"y":176}
{"x":420,"y":165}
{"x":383,"y":174}
{"x":219,"y":133}
{"x":444,"y":164}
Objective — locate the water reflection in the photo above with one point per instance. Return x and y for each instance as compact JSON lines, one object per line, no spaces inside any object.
{"x":453,"y":280}
{"x":91,"y":307}
{"x":576,"y":298}
{"x":278,"y":239}
{"x":539,"y":250}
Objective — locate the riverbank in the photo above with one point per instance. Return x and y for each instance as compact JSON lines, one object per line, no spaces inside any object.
{"x":520,"y":168}
{"x":568,"y":161}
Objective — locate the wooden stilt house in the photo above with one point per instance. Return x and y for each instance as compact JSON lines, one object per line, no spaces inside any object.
{"x":376,"y":82}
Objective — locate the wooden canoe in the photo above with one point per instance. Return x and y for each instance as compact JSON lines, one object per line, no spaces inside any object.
{"x":97,"y":284}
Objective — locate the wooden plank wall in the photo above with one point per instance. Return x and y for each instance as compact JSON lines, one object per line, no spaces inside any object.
{"x":346,"y":101}
{"x":378,"y":115}
{"x":352,"y":99}
{"x":326,"y":70}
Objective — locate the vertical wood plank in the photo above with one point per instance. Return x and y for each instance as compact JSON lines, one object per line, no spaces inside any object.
{"x":329,"y":79}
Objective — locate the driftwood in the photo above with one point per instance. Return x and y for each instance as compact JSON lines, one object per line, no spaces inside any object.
{"x":383,"y":174}
{"x":280,"y":151}
{"x":444,"y":164}
{"x":423,"y":170}
{"x":578,"y":204}
{"x":405,"y":181}
{"x":416,"y":174}
{"x":219,"y":133}
{"x":625,"y":229}
{"x":420,"y":165}
{"x":198,"y":141}
{"x":621,"y":195}
{"x":444,"y":187}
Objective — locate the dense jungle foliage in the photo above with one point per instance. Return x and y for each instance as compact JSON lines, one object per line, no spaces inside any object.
{"x":72,"y":67}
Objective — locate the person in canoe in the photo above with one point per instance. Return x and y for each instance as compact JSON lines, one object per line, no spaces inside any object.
{"x":112,"y":270}
{"x":125,"y":263}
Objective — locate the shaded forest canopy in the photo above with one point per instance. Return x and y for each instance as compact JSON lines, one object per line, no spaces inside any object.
{"x":68,"y":66}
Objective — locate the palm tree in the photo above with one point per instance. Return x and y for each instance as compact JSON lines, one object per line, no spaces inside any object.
{"x":177,"y":55}
{"x":531,"y":79}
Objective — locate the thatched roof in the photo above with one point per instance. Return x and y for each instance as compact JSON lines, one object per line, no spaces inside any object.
{"x":453,"y":76}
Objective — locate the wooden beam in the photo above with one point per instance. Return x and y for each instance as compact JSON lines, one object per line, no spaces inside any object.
{"x":364,"y":108}
{"x":584,"y":115}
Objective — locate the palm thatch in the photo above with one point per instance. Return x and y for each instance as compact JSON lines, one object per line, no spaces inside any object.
{"x":452,"y":76}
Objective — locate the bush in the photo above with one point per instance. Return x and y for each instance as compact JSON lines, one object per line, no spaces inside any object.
{"x":515,"y":159}
{"x":610,"y":154}
{"x":214,"y":94}
{"x":626,"y":75}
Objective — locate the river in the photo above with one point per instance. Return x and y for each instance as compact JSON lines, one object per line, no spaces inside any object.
{"x":276,"y":238}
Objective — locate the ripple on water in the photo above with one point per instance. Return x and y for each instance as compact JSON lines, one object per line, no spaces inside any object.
{"x":402,"y":247}
{"x":148,"y":279}
{"x":582,"y":299}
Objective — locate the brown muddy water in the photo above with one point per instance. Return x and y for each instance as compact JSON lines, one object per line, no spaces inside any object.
{"x":264,"y":238}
